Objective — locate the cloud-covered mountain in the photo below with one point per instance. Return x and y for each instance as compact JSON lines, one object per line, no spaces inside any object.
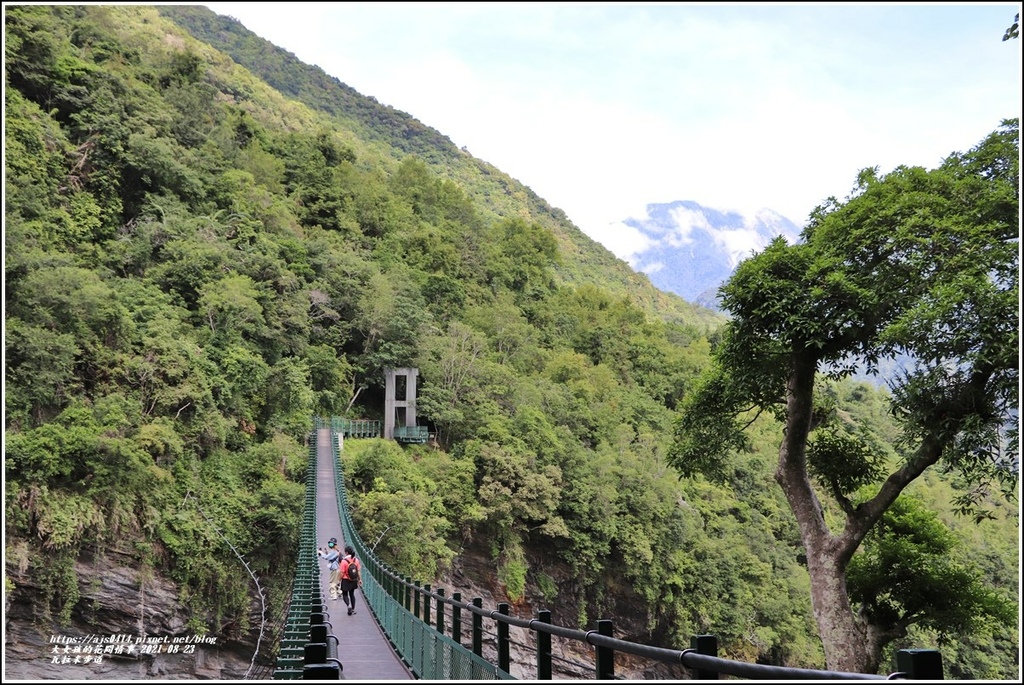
{"x":690,"y":250}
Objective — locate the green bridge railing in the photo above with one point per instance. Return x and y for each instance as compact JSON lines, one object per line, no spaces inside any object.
{"x":308,"y":647}
{"x":353,"y":428}
{"x":371,"y":428}
{"x":429,"y":654}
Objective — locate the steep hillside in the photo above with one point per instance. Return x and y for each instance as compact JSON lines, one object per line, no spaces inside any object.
{"x":396,"y":134}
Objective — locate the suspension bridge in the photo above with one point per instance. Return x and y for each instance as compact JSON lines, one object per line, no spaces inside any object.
{"x":404,"y":630}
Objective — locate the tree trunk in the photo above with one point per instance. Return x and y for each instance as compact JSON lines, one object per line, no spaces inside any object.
{"x":842,"y":637}
{"x":845,"y":644}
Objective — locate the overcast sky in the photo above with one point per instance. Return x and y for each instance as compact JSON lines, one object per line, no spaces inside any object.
{"x":602,"y":108}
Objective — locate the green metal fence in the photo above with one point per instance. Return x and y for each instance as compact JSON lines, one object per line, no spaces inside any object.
{"x":350,"y":428}
{"x":307,"y":649}
{"x":429,"y":654}
{"x":412,"y":434}
{"x":371,"y":428}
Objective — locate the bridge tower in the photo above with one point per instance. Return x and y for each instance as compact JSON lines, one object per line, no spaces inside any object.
{"x":399,"y":399}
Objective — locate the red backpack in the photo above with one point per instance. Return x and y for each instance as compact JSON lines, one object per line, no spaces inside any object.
{"x":352,"y":572}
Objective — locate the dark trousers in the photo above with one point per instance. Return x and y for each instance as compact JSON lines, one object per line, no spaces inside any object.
{"x":348,"y":593}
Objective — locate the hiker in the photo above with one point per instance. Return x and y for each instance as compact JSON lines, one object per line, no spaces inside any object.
{"x":332,"y":555}
{"x":351,"y":578}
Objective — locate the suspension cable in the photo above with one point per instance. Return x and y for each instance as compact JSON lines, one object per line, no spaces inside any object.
{"x":259,"y":589}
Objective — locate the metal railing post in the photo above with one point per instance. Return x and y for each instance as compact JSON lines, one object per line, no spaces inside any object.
{"x":426,"y":603}
{"x":439,"y":644}
{"x":543,"y":648}
{"x":504,"y":663}
{"x":440,"y":610}
{"x":605,"y":657}
{"x":478,"y":635}
{"x":457,"y":618}
{"x":708,"y":646}
{"x":920,"y":664}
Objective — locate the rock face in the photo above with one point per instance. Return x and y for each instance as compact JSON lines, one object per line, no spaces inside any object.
{"x":119,"y":606}
{"x":127,"y":625}
{"x":474,"y":575}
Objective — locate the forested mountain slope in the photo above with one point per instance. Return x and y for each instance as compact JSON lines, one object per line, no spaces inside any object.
{"x":196,"y":264}
{"x":397,"y":134}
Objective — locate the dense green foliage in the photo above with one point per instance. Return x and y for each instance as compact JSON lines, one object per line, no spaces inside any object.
{"x":919,"y":266}
{"x":195,"y":266}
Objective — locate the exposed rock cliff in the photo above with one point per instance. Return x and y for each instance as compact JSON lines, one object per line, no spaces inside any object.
{"x":126,"y":625}
{"x":474,"y":575}
{"x":118,"y":604}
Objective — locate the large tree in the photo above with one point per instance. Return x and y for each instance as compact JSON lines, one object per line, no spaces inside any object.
{"x":916,"y":266}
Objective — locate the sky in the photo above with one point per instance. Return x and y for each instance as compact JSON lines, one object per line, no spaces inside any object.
{"x":604,"y":108}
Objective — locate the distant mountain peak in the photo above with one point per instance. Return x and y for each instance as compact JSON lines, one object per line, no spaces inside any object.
{"x":690,"y":249}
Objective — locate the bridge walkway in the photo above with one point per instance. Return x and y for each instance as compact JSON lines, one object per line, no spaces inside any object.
{"x":363,"y":649}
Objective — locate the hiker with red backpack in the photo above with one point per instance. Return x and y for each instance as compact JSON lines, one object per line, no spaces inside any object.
{"x":351,"y":578}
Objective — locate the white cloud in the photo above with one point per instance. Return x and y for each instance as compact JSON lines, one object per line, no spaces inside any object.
{"x":739,"y":243}
{"x":625,"y":242}
{"x":604,"y":108}
{"x":686,"y":220}
{"x":652,"y":267}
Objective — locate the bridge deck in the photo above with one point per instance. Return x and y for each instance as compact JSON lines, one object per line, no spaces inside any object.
{"x":363,"y":649}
